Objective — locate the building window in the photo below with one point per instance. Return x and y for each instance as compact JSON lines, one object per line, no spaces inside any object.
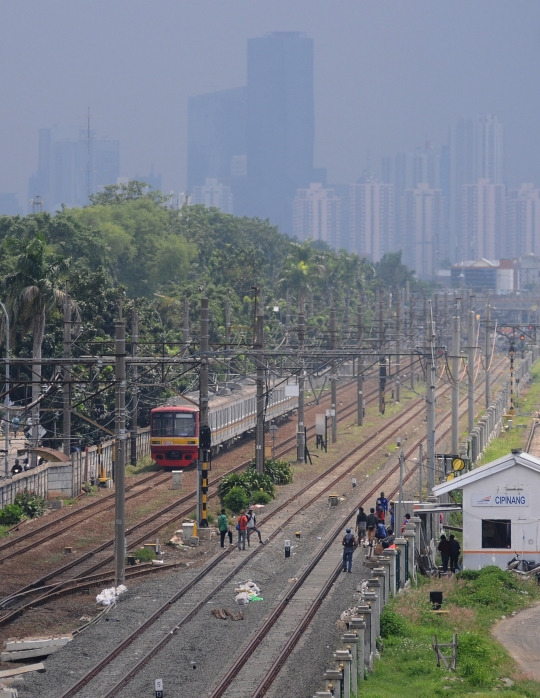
{"x":496,"y":533}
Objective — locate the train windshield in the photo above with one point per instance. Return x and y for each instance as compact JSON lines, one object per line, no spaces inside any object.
{"x":173,"y":424}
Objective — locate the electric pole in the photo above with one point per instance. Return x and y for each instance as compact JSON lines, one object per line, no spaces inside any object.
{"x":382,"y":358}
{"x":398,"y":348}
{"x":228,"y":333}
{"x":120,"y":458}
{"x":411,"y":336}
{"x":431,"y":375}
{"x":288,"y":316}
{"x":185,"y":323}
{"x":333,"y":377}
{"x":301,"y":430}
{"x":488,"y":352}
{"x":360,"y":378}
{"x":420,"y":473}
{"x":205,"y":443}
{"x":66,"y":393}
{"x":259,"y":359}
{"x":455,"y":377}
{"x":135,"y":390}
{"x":470,"y":368}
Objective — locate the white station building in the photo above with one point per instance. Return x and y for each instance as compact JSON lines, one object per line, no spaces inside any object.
{"x":501,"y":511}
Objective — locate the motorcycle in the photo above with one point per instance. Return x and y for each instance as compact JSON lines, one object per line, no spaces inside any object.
{"x":519,"y":565}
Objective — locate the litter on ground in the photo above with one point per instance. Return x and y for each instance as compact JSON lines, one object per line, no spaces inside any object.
{"x":108,"y":596}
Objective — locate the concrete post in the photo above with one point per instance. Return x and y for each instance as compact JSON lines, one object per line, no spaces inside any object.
{"x":401,"y":544}
{"x":384,"y":563}
{"x":392,"y":555}
{"x":323,"y":694}
{"x":333,"y":681}
{"x":344,"y":658}
{"x":372,"y":597}
{"x":351,"y":643}
{"x":417,"y":521}
{"x":410,"y":536}
{"x":365,"y":617}
{"x":359,"y":626}
{"x":380,"y":574}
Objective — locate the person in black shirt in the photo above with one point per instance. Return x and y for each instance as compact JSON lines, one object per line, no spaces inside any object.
{"x":444,"y":549}
{"x":349,"y":544}
{"x":455,"y":549}
{"x":16,"y":468}
{"x":371,"y":528}
{"x":361,"y":524}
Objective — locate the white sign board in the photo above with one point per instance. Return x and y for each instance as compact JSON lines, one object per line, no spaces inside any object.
{"x":320,"y":424}
{"x":292,"y":390}
{"x":509,"y":499}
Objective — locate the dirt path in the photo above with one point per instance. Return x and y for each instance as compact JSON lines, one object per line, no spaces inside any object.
{"x":520,"y":636}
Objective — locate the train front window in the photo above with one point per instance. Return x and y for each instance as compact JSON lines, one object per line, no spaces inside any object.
{"x":173,"y":424}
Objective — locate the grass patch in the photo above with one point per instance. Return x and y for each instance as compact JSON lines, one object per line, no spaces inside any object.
{"x":408,"y":667}
{"x":4,"y":530}
{"x":144,"y":465}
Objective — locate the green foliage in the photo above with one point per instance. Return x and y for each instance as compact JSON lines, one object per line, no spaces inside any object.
{"x":11,"y":514}
{"x":144,"y":555}
{"x":250,"y":481}
{"x":31,"y":504}
{"x":490,"y":587}
{"x":392,"y":624}
{"x":227,"y":482}
{"x":279,"y":471}
{"x":259,"y":497}
{"x":236,"y":499}
{"x":253,"y":481}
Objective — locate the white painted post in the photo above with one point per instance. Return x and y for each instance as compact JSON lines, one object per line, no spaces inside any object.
{"x":359,"y":626}
{"x":410,"y":535}
{"x":381,"y":572}
{"x":344,"y":659}
{"x":392,"y":555}
{"x":373,"y":600}
{"x":401,"y":545}
{"x":417,"y":521}
{"x":333,"y":681}
{"x":351,"y":642}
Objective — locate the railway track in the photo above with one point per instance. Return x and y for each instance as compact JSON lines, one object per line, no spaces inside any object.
{"x":207,"y":587}
{"x":104,"y":504}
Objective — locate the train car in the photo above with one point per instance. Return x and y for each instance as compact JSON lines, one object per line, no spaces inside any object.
{"x":232,"y":414}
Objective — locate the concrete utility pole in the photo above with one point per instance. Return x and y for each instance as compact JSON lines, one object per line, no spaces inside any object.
{"x":382,"y":359}
{"x":333,"y":378}
{"x":455,"y":377}
{"x":259,"y":358}
{"x":185,"y":323}
{"x":204,"y":435}
{"x":120,"y":458}
{"x":135,"y":389}
{"x":6,"y":388}
{"x":66,"y":391}
{"x":360,"y":378}
{"x":420,"y":473}
{"x":228,"y":334}
{"x":398,"y":348}
{"x":488,"y":352}
{"x":431,"y":375}
{"x":411,"y":336}
{"x":470,"y":368}
{"x":288,"y":315}
{"x":399,"y":515}
{"x":301,"y":430}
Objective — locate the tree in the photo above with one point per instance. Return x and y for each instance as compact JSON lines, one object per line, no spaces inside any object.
{"x":32,"y":289}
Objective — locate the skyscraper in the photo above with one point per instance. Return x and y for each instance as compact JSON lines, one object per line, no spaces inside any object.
{"x":483,"y":213}
{"x":522,"y":222}
{"x":317,"y":215}
{"x":280,"y":124}
{"x":72,"y":164}
{"x":213,"y":194}
{"x":422,"y":215}
{"x":216,"y":136}
{"x":476,"y":152}
{"x":371,"y":219}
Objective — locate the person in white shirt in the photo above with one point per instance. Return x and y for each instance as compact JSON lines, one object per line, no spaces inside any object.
{"x":252,"y":526}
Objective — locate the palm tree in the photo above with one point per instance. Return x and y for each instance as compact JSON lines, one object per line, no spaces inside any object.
{"x":31,"y":290}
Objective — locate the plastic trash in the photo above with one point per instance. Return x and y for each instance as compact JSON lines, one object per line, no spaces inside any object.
{"x":108,"y":596}
{"x":242,"y":599}
{"x":256,"y":598}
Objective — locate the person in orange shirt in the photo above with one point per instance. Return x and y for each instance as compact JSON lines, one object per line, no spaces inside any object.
{"x":241,"y":527}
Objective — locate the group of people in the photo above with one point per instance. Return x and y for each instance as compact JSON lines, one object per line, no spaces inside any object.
{"x":449,"y":549}
{"x":246,"y":526}
{"x":377,"y":527}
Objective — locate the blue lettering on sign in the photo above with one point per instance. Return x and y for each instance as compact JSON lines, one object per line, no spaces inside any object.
{"x":510,"y":499}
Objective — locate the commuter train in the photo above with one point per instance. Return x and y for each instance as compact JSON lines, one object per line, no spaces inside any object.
{"x":174,"y":429}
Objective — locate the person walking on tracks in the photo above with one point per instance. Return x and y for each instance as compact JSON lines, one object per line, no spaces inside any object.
{"x":361,"y":525}
{"x":252,"y":527}
{"x":241,"y":527}
{"x":349,"y":544}
{"x":223,"y":527}
{"x":444,"y":549}
{"x":371,"y":528}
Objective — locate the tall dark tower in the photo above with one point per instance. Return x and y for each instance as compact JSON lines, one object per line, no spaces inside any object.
{"x":280,"y":124}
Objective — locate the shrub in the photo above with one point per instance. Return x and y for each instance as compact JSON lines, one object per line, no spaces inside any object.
{"x":32,"y":504}
{"x":228,"y":482}
{"x":279,"y":471}
{"x":144,"y":555}
{"x":260,"y":497}
{"x":392,"y":624}
{"x":11,"y":514}
{"x":236,"y":499}
{"x":254,"y":481}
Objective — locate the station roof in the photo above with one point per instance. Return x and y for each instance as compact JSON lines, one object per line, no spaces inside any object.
{"x":496,"y":466}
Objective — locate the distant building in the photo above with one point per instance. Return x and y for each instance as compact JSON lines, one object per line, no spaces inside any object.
{"x":317,"y":215}
{"x":152,"y":179}
{"x":72,"y":164}
{"x":9,"y":205}
{"x":529,"y":272}
{"x":217,"y":136}
{"x":213,"y":194}
{"x":476,"y":152}
{"x":371,"y":215}
{"x":486,"y":275}
{"x":422,"y":225}
{"x":280,"y":124}
{"x":522,"y":221}
{"x":483,"y":212}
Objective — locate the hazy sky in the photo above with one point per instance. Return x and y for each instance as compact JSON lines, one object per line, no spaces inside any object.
{"x":389,"y":75}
